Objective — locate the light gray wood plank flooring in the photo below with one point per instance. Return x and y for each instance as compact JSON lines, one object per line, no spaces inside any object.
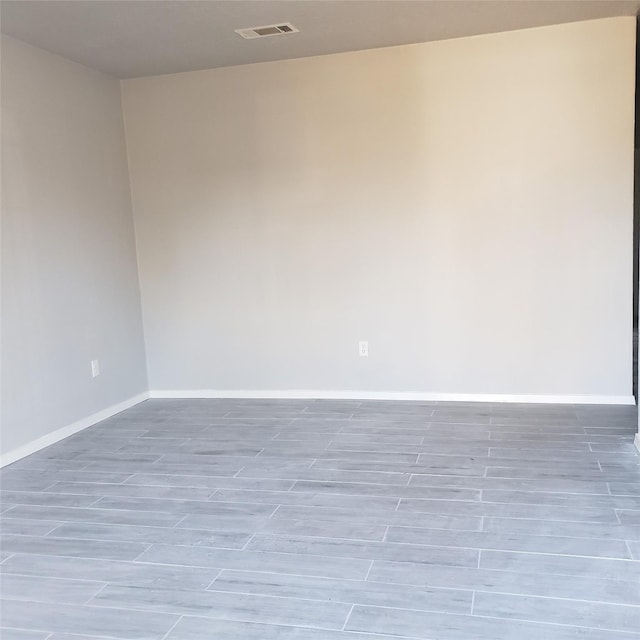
{"x":327,"y":520}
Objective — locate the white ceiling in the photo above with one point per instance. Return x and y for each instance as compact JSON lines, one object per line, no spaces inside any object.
{"x":131,"y":38}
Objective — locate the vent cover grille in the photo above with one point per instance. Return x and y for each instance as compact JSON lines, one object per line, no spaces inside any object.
{"x":279,"y":29}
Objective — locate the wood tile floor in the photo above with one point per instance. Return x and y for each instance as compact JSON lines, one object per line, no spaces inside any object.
{"x":323,"y":520}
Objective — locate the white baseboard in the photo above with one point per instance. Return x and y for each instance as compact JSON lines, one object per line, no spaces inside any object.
{"x":391,"y":395}
{"x":79,"y":425}
{"x":69,"y":430}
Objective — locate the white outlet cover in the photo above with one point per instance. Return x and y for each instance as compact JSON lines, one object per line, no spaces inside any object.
{"x":95,"y":368}
{"x":363,"y":349}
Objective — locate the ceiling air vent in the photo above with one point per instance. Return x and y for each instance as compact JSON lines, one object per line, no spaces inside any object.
{"x":279,"y":29}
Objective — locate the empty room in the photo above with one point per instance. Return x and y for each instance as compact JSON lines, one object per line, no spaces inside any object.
{"x":319,"y":320}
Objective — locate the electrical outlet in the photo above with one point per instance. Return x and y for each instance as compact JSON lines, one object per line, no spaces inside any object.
{"x":363,"y":349}
{"x":95,"y":368}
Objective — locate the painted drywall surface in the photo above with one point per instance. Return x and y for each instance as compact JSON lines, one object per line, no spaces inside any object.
{"x":465,"y":206}
{"x":69,"y":276}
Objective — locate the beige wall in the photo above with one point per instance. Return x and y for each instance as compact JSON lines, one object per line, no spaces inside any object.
{"x":69,"y":277}
{"x":465,"y":206}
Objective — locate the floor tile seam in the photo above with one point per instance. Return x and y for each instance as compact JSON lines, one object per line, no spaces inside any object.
{"x":146,"y":563}
{"x":631,"y":607}
{"x":412,"y":479}
{"x":46,"y":489}
{"x":74,"y":538}
{"x":106,"y":509}
{"x":512,"y":619}
{"x":361,"y":541}
{"x":42,"y":534}
{"x":533,"y":491}
{"x":84,"y":481}
{"x":477,"y":615}
{"x":495,"y":420}
{"x":60,"y":578}
{"x":344,"y":626}
{"x":218,"y":574}
{"x":584,"y":477}
{"x":173,"y":626}
{"x":368,"y":571}
{"x":538,"y":458}
{"x":301,"y":493}
{"x":62,"y":521}
{"x":380,"y":522}
{"x":439,"y":454}
{"x":273,"y":513}
{"x":89,"y":505}
{"x":549,"y":623}
{"x":32,"y":630}
{"x":296,"y":480}
{"x":270,"y":596}
{"x":595,"y":538}
{"x":560,"y":555}
{"x":102,"y":588}
{"x":503,"y":592}
{"x":186,"y":487}
{"x":277,"y":534}
{"x":485,"y":502}
{"x":355,"y":481}
{"x":148,"y":545}
{"x":481,"y":549}
{"x":432,"y":589}
{"x":245,"y":547}
{"x":46,"y":492}
{"x":628,"y":543}
{"x":139,"y":563}
{"x":416,"y":473}
{"x":373,"y":495}
{"x":366,"y":451}
{"x":517,"y":533}
{"x":201,"y":616}
{"x":355,"y":581}
{"x":174,"y":526}
{"x":78,"y":557}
